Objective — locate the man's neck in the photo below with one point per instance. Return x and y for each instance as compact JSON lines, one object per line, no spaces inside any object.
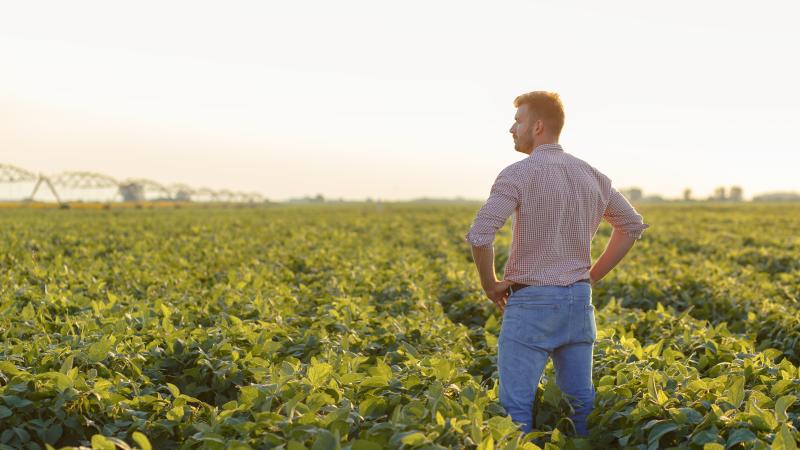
{"x":550,"y":142}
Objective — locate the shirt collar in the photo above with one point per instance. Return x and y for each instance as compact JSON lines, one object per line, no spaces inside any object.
{"x":547,"y":148}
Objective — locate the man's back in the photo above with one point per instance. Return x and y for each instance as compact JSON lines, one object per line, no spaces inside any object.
{"x":558,"y":201}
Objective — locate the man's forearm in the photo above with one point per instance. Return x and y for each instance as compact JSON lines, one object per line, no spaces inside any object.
{"x":617,"y":247}
{"x":484,"y":260}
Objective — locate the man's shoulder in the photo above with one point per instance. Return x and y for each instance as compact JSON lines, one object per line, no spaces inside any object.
{"x":516,"y":167}
{"x":582,"y":163}
{"x":569,"y":157}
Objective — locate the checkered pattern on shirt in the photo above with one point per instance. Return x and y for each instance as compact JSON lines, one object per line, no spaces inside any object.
{"x":558,"y":201}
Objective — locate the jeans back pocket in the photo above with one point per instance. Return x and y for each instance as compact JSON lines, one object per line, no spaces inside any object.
{"x":529,"y":322}
{"x":590,"y":325}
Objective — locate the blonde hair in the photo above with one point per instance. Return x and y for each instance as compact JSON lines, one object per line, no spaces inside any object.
{"x":546,"y":106}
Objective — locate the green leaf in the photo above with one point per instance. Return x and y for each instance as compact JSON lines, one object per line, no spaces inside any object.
{"x":248,"y":395}
{"x":23,"y":435}
{"x":739,"y":435}
{"x":713,"y":446}
{"x":174,"y":390}
{"x":488,"y":443}
{"x":16,"y":402}
{"x":491,"y":339}
{"x":165,"y":310}
{"x":762,"y":419}
{"x":501,"y":426}
{"x":53,"y":433}
{"x":100,"y":442}
{"x":4,"y":412}
{"x":295,"y":445}
{"x":442,"y":368}
{"x":784,"y":440}
{"x":652,"y":388}
{"x":413,"y":438}
{"x":141,"y":440}
{"x":375,"y":381}
{"x":319,"y":372}
{"x":692,"y":416}
{"x":326,"y":441}
{"x":62,"y":381}
{"x":372,"y":407}
{"x":9,"y":368}
{"x":780,"y":386}
{"x":660,"y":430}
{"x":28,"y":312}
{"x":708,"y":435}
{"x":119,"y":443}
{"x":607,"y":380}
{"x":210,"y":437}
{"x":66,"y":366}
{"x":362,"y":444}
{"x":175,"y":414}
{"x":382,"y":370}
{"x":736,"y":391}
{"x":99,"y":350}
{"x":233,"y":404}
{"x":781,"y":405}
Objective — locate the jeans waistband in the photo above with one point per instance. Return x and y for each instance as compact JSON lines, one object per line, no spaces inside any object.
{"x":517,"y":286}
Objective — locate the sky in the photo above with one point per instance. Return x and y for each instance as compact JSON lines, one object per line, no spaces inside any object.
{"x":399,"y":100}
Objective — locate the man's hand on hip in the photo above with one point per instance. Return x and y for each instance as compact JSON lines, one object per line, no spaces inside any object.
{"x":498,"y":293}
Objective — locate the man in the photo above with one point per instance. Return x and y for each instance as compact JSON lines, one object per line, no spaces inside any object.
{"x":558,"y":201}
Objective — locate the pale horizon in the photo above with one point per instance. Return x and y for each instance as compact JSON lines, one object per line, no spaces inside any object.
{"x":394,"y":102}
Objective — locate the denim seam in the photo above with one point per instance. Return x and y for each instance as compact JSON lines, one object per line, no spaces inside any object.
{"x":525,"y":344}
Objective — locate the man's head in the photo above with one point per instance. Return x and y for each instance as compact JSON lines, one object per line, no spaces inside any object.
{"x":539,"y":120}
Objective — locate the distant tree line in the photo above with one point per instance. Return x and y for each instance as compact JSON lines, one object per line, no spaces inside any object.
{"x":778,"y":196}
{"x":720,"y":194}
{"x":734,"y":194}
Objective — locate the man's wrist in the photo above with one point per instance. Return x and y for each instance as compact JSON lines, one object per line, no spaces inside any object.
{"x":486,"y":285}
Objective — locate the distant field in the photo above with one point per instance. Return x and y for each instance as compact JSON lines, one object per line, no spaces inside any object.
{"x":364,"y":327}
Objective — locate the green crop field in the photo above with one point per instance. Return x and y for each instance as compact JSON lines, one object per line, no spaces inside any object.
{"x":364,"y":327}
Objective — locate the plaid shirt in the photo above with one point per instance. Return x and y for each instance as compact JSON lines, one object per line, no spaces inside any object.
{"x":558,"y":201}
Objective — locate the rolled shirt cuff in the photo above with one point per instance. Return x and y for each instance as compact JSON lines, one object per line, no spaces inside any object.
{"x":634,"y":231}
{"x":477,"y":240}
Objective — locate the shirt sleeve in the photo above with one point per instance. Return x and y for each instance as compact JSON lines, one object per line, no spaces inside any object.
{"x":621,"y":215}
{"x":504,"y":198}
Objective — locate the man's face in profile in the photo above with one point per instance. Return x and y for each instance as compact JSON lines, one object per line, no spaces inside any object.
{"x":521,"y":130}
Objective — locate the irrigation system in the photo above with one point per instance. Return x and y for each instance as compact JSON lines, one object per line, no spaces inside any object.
{"x":128,"y":190}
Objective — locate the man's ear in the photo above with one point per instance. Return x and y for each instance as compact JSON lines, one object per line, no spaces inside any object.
{"x":538,"y":126}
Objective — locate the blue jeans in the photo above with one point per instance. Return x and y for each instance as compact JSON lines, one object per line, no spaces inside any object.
{"x":540,"y":322}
